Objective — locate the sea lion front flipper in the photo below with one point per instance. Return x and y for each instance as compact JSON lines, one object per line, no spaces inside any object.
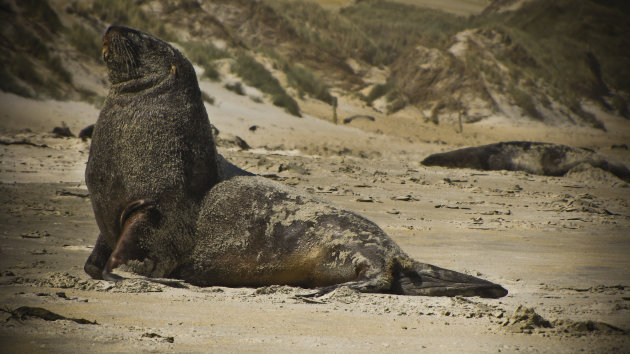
{"x":364,"y":286}
{"x":97,"y":260}
{"x":137,"y":218}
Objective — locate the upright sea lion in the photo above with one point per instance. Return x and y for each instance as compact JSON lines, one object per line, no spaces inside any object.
{"x":169,"y":206}
{"x":152,"y":141}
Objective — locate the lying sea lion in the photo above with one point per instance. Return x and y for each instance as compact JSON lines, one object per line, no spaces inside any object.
{"x":168,"y":205}
{"x":255,"y":232}
{"x":532,"y":157}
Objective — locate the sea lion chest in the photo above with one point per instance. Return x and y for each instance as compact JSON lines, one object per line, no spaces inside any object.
{"x":146,"y":147}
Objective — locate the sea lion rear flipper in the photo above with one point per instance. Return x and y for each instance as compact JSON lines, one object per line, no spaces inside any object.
{"x":428,"y":280}
{"x":137,"y":218}
{"x":97,"y":260}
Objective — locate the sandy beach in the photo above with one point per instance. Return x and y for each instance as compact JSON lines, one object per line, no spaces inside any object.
{"x":559,"y":244}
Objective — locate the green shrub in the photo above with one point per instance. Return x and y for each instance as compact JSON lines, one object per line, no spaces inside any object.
{"x":325,"y":30}
{"x":91,"y":97}
{"x":394,"y":27}
{"x":9,"y":84}
{"x":378,"y":91}
{"x":41,"y":12}
{"x":524,"y":101}
{"x":85,"y":40}
{"x":301,"y":77}
{"x":207,"y":98}
{"x":620,"y":106}
{"x":548,"y":31}
{"x":205,"y":54}
{"x":255,"y":74}
{"x":28,"y":43}
{"x":23,"y":68}
{"x":279,"y":61}
{"x":288,"y":104}
{"x":236,"y":87}
{"x":55,"y":65}
{"x":304,"y":80}
{"x":121,"y":12}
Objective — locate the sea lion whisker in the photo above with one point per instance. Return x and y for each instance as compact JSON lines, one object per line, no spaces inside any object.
{"x":130,"y":53}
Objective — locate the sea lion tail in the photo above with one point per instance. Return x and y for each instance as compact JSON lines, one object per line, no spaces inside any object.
{"x":415,"y":278}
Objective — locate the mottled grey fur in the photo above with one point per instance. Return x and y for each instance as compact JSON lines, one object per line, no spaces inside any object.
{"x":152,"y":141}
{"x":537,"y":158}
{"x":254,"y":232}
{"x":168,"y":205}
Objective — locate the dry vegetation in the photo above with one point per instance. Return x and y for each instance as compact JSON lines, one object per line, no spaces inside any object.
{"x":543,"y":54}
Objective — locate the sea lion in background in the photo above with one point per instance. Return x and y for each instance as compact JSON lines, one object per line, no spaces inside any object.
{"x":152,"y":141}
{"x":168,"y":205}
{"x":532,"y":157}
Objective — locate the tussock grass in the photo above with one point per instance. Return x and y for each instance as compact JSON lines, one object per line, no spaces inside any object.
{"x":41,"y":12}
{"x":85,"y":39}
{"x":119,"y":12}
{"x":236,"y":87}
{"x":9,"y":84}
{"x":395,"y":99}
{"x":325,"y":30}
{"x":545,"y":42}
{"x":525,"y":102}
{"x":575,"y":43}
{"x":205,"y":54}
{"x":378,"y":91}
{"x":28,"y":43}
{"x":207,"y":98}
{"x":306,"y":81}
{"x":395,"y":27}
{"x":301,"y":78}
{"x":620,"y":106}
{"x":23,"y":67}
{"x":91,"y":97}
{"x":255,"y":74}
{"x":55,"y":65}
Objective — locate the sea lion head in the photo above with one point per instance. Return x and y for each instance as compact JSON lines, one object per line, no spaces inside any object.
{"x":130,"y":55}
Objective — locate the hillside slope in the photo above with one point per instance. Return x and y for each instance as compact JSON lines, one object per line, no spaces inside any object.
{"x":541,"y":61}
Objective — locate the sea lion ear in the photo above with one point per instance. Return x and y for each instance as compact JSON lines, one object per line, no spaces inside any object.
{"x":173,"y":70}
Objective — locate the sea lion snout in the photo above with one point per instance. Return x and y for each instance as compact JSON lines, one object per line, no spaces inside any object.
{"x":108,"y":38}
{"x":120,"y":52}
{"x":105,"y":51}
